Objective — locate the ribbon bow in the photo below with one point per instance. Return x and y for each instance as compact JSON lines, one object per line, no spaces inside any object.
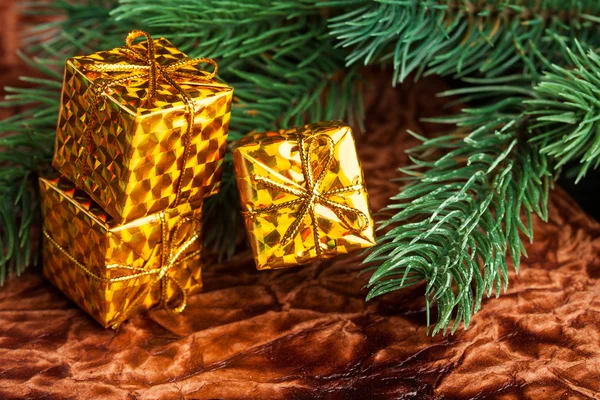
{"x":311,"y":194}
{"x":171,"y":256}
{"x":146,"y":67}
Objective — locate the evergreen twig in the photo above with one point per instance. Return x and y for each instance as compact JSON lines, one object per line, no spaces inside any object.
{"x":567,"y":112}
{"x":459,"y":217}
{"x":462,"y":37}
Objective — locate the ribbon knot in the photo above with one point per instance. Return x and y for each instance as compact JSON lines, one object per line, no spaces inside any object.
{"x":312,"y":194}
{"x":173,"y":249}
{"x":148,"y":68}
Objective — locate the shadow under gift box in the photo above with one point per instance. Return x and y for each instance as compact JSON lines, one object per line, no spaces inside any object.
{"x":135,"y":164}
{"x":112,"y":270}
{"x":282,"y":175}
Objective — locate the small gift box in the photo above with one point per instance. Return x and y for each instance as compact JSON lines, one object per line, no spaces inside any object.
{"x":141,"y":129}
{"x":302,"y":194}
{"x":112,"y":270}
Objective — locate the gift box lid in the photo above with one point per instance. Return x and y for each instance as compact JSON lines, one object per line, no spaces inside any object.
{"x":130,"y":94}
{"x":339,"y":128}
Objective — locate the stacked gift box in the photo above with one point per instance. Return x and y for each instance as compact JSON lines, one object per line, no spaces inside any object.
{"x":140,"y":143}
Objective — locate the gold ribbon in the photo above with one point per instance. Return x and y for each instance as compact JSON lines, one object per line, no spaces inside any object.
{"x":170,"y":258}
{"x":148,"y":68}
{"x":310,"y":195}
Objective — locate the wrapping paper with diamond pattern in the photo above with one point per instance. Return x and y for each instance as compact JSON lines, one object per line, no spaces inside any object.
{"x":93,"y":238}
{"x":276,"y":155}
{"x":137,"y":159}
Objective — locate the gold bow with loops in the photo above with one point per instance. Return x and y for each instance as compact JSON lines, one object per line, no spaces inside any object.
{"x":151,"y":70}
{"x":170,"y":257}
{"x":310,"y":195}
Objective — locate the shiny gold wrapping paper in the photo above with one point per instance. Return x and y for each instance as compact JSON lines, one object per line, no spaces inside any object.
{"x":136,"y":162}
{"x":296,"y":212}
{"x":84,"y":231}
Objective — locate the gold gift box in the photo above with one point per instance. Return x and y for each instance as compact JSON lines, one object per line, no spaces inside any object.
{"x":112,"y":270}
{"x":140,"y":159}
{"x":302,"y":194}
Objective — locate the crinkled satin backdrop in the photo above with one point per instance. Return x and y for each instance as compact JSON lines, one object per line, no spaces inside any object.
{"x":306,"y":333}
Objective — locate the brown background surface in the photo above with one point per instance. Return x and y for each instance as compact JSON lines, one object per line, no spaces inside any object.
{"x":306,"y":333}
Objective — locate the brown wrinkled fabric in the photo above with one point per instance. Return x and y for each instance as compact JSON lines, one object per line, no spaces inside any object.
{"x":306,"y":333}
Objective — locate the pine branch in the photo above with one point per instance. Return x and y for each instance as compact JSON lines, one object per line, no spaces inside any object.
{"x":228,"y":30}
{"x":464,"y":211}
{"x":462,"y":37}
{"x":293,"y":90}
{"x":74,"y":27}
{"x":567,"y":112}
{"x":457,"y":220}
